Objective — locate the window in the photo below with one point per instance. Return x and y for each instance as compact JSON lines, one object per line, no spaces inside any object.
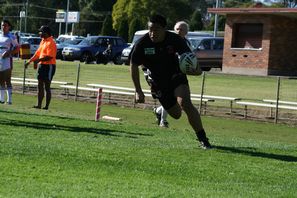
{"x":218,"y":44}
{"x":206,"y":44}
{"x":247,"y":35}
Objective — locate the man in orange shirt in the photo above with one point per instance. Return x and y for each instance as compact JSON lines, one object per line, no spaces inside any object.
{"x":45,"y":59}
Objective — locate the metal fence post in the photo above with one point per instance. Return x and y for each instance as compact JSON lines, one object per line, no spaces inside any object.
{"x":24,"y":77}
{"x":77,"y":81}
{"x":277,"y":100}
{"x":202,"y":91}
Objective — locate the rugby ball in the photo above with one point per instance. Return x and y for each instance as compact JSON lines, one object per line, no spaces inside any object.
{"x":188,"y":62}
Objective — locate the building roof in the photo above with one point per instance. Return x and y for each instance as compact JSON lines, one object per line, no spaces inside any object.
{"x":289,"y":12}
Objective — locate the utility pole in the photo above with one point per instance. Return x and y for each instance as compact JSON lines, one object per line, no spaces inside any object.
{"x":26,"y":14}
{"x":215,"y":31}
{"x":66,"y":27}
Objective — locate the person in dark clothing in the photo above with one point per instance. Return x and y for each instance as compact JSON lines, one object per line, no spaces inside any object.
{"x":157,"y":50}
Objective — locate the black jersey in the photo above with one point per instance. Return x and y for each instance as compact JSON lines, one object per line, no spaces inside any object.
{"x":160,"y":58}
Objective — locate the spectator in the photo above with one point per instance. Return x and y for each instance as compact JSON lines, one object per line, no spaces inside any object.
{"x":45,"y":61}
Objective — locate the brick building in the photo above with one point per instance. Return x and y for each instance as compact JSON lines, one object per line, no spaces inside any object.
{"x":260,"y":41}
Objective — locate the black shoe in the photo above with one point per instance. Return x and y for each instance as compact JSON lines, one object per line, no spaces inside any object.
{"x":36,"y":107}
{"x":205,"y":144}
{"x":158,"y":116}
{"x":45,"y":108}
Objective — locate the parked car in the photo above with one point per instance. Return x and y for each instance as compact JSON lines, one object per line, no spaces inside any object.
{"x":32,"y":41}
{"x":86,"y":50}
{"x":209,"y":51}
{"x":140,"y":33}
{"x":65,"y":43}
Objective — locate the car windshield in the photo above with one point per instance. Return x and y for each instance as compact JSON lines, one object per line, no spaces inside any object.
{"x":88,"y":41}
{"x":195,"y":42}
{"x":136,"y":37}
{"x":72,"y":42}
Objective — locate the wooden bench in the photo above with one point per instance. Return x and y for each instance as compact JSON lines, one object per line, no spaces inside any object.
{"x":226,"y":98}
{"x":109,"y":89}
{"x":280,"y":102}
{"x":258,"y":104}
{"x":205,"y":101}
{"x":31,"y":80}
{"x":26,"y":83}
{"x":117,"y":87}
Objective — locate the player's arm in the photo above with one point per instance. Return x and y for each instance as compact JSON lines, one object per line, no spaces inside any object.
{"x":139,"y":96}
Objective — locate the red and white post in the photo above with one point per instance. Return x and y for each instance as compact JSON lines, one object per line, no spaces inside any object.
{"x":98,"y":104}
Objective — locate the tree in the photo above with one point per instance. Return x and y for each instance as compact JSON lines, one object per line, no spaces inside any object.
{"x":238,"y":3}
{"x":221,"y":23}
{"x":173,"y":10}
{"x":134,"y":25}
{"x":196,"y":21}
{"x":107,"y":26}
{"x":287,"y":3}
{"x":123,"y":30}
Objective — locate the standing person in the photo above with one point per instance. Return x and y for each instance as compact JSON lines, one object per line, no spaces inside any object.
{"x":8,"y":47}
{"x":157,"y":50}
{"x":45,"y":57}
{"x":182,"y":28}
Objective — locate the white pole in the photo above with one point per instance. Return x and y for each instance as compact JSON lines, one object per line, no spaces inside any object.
{"x":26,"y":14}
{"x":60,"y":25}
{"x":215,"y":31}
{"x":66,"y":28}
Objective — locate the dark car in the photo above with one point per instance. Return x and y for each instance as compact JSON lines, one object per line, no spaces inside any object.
{"x":87,"y":49}
{"x":209,"y":51}
{"x":65,"y":43}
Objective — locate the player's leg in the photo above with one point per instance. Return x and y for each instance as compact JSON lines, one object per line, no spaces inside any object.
{"x":161,"y":116}
{"x":47,"y":86}
{"x":8,"y":86}
{"x":40,"y":94}
{"x":163,"y":121}
{"x":182,"y":93}
{"x":2,"y":87}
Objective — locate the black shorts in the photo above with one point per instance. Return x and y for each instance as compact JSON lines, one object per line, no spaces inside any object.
{"x":166,"y":94}
{"x":46,"y":72}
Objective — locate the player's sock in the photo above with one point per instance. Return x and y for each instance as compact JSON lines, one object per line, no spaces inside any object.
{"x":2,"y":93}
{"x":9,"y":95}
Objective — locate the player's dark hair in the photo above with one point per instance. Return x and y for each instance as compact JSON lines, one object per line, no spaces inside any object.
{"x":157,"y":18}
{"x":8,"y":23}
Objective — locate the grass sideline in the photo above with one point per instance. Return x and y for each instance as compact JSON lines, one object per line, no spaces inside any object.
{"x":64,"y":153}
{"x":247,"y":87}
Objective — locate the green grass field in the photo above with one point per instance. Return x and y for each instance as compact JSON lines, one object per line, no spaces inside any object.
{"x":64,"y":153}
{"x":246,"y":87}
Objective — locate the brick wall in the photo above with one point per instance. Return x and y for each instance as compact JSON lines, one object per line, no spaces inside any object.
{"x":268,"y":60}
{"x":283,"y":53}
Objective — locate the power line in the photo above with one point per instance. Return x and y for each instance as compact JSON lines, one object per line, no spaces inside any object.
{"x":37,"y":6}
{"x":53,"y":19}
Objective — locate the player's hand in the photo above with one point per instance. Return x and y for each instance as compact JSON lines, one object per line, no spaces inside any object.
{"x":26,"y":65}
{"x":5,"y":54}
{"x":139,"y":97}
